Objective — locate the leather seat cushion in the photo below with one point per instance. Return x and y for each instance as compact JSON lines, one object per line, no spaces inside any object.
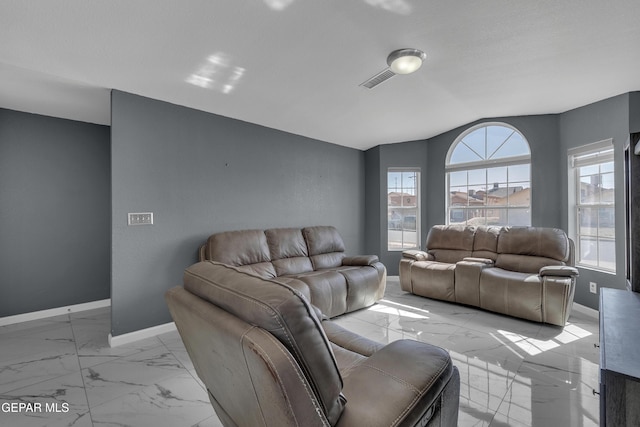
{"x":513,"y":293}
{"x":433,"y":279}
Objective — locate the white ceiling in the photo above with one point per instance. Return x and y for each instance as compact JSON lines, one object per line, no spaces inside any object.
{"x":296,"y":65}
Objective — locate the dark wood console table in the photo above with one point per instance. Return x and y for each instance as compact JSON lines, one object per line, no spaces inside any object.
{"x":619,"y":358}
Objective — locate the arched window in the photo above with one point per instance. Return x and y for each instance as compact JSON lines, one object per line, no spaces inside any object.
{"x":488,"y":172}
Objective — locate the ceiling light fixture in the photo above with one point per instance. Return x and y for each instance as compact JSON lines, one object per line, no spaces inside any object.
{"x":405,"y":61}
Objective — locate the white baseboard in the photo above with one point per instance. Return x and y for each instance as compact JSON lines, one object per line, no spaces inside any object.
{"x":586,"y":310}
{"x":43,"y":314}
{"x":141,"y":334}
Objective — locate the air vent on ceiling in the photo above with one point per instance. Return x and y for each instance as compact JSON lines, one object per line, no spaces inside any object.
{"x":381,"y":77}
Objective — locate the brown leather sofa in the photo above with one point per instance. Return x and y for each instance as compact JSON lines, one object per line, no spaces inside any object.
{"x":525,"y":272}
{"x":310,"y":259}
{"x":269,"y":358}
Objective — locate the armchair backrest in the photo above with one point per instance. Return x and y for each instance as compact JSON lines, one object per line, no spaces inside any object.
{"x":275,"y":340}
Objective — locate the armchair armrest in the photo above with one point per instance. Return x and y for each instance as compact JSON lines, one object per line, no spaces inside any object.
{"x":414,"y":375}
{"x":417,"y":255}
{"x":487,"y":261}
{"x":559,"y":270}
{"x":360,"y":260}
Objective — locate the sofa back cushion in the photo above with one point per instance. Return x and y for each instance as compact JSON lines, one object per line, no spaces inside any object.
{"x":245,"y":248}
{"x":485,"y":242}
{"x":325,"y":245}
{"x":450,"y":243}
{"x":288,"y":251}
{"x":527,"y":249}
{"x":281,"y":311}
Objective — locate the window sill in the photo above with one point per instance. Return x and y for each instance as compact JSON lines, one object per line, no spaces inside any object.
{"x":596,"y":269}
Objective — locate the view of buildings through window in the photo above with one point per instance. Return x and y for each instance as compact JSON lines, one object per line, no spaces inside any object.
{"x":594,"y":209}
{"x":489,"y":177}
{"x":403,"y":209}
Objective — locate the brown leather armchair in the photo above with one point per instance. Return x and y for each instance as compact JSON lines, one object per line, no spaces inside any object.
{"x":269,"y":358}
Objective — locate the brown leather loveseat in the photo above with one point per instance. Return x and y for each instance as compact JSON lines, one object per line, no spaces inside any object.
{"x":311,"y":260}
{"x":525,"y":272}
{"x":269,"y":358}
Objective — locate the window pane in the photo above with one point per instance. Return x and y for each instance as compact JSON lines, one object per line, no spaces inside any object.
{"x":588,"y":222}
{"x":476,"y":142}
{"x":519,"y":194}
{"x":409,"y":182}
{"x":519,"y":173}
{"x":457,"y":216}
{"x":589,"y":192}
{"x":477,"y":176}
{"x":458,"y":196}
{"x":457,"y":178}
{"x":462,"y":154}
{"x":394,"y":181}
{"x":606,"y":167}
{"x":515,"y":146}
{"x":588,"y":251}
{"x":589,"y":170}
{"x":519,"y":217}
{"x":606,"y":222}
{"x":497,"y":174}
{"x":497,"y":194}
{"x":607,"y":181}
{"x":476,"y":217}
{"x":607,"y":253}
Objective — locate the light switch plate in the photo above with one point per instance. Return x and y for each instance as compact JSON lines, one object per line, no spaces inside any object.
{"x":140,"y":218}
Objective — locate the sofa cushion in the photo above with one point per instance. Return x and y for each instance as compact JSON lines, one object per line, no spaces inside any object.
{"x":456,"y":237}
{"x":328,"y":290}
{"x":433,"y":279}
{"x":448,"y":256}
{"x":288,"y":251}
{"x":510,"y":292}
{"x":238,"y":247}
{"x":524,"y":263}
{"x":280,"y":310}
{"x":485,"y":242}
{"x":326,"y":247}
{"x":534,"y":241}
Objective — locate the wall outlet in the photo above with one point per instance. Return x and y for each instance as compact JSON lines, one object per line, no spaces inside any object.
{"x":140,"y":218}
{"x":593,"y":287}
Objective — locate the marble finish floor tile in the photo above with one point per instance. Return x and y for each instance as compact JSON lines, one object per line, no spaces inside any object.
{"x":512,"y":372}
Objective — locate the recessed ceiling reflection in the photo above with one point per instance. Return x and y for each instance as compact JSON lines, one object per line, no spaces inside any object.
{"x":400,"y":7}
{"x":278,"y":4}
{"x":217,"y":73}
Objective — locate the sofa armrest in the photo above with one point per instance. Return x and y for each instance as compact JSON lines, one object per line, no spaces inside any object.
{"x":487,"y":261}
{"x":415,"y":377}
{"x":361,"y":260}
{"x":559,"y":270}
{"x":417,"y":255}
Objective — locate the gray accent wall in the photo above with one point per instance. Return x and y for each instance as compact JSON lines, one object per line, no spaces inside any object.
{"x":602,"y":120}
{"x":54,"y":212}
{"x":200,"y":173}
